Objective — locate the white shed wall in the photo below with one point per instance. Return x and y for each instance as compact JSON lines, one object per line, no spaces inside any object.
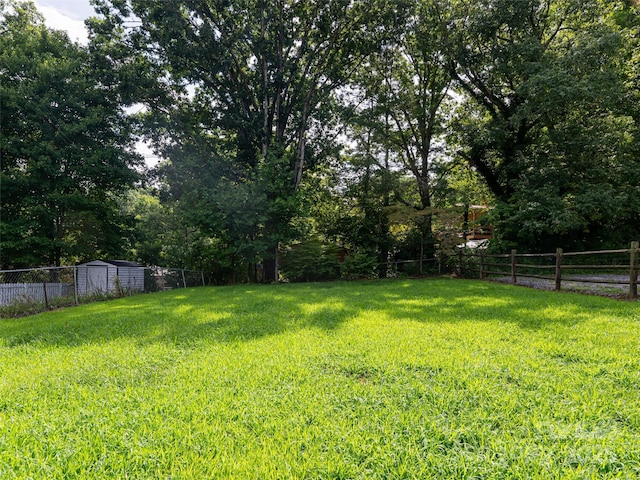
{"x":95,"y":277}
{"x":100,"y":277}
{"x":131,"y":278}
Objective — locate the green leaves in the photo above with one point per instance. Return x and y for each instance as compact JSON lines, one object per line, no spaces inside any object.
{"x":64,"y":144}
{"x":545,"y":83}
{"x":241,"y":100}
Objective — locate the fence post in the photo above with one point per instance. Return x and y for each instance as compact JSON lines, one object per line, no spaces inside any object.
{"x":459,"y":267}
{"x":75,"y":283}
{"x":202,"y":275}
{"x":184,"y":282}
{"x":558,"y":268}
{"x":513,"y":266}
{"x":481,"y":264}
{"x":421,"y":252}
{"x":633,"y":270}
{"x":46,"y":297}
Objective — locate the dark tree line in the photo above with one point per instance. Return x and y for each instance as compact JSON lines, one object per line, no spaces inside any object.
{"x":309,"y":128}
{"x":63,"y":147}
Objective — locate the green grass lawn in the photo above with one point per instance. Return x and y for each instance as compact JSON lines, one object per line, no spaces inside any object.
{"x":390,"y":379}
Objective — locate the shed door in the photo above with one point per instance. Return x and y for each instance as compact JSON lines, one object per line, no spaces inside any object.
{"x":97,"y":278}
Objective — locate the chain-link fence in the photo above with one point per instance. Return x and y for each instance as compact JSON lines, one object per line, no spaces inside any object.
{"x":411,"y":268}
{"x":32,"y":290}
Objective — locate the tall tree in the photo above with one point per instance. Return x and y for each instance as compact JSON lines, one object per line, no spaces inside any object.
{"x":407,"y":84}
{"x":368,"y":190}
{"x":547,"y":100}
{"x":64,"y":147}
{"x":243,"y":85}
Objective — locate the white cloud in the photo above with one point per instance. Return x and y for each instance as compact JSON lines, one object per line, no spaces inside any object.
{"x":74,"y":9}
{"x":57,"y":15}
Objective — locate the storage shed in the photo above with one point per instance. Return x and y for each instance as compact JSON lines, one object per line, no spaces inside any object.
{"x":104,"y":276}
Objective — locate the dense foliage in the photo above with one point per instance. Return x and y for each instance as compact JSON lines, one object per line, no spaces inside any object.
{"x":64,"y":140}
{"x":239,"y":104}
{"x":550,"y":116}
{"x":374,"y":127}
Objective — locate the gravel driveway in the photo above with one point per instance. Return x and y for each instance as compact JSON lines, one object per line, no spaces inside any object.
{"x":617,"y":290}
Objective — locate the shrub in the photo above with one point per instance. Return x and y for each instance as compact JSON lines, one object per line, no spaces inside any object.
{"x":359,"y":265}
{"x":310,"y":261}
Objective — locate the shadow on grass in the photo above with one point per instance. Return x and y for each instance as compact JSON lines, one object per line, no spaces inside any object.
{"x":242,"y":313}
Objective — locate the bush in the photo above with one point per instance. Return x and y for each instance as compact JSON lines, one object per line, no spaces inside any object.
{"x":310,"y":261}
{"x":359,"y":265}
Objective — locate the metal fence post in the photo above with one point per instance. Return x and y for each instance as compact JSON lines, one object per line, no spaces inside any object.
{"x":46,"y":297}
{"x":75,"y":283}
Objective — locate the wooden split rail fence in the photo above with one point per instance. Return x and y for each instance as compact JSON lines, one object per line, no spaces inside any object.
{"x":490,"y":265}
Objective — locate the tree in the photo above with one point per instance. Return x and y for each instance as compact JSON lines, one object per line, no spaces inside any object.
{"x":364,"y":197}
{"x":406,"y":85}
{"x":546,"y":119}
{"x":463,"y":192}
{"x":64,"y":148}
{"x":241,"y":91}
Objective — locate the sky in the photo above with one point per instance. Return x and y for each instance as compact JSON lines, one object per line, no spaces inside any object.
{"x":69,"y":15}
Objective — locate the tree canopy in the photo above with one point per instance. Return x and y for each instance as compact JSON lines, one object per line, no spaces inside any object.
{"x":340,"y":127}
{"x":242,"y":95}
{"x":546,"y":119}
{"x":64,"y":147}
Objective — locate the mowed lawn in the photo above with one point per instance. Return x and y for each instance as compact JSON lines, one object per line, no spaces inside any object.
{"x":435,"y":378}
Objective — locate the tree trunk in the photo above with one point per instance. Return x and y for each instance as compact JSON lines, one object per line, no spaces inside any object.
{"x":270,"y":265}
{"x":421,"y":253}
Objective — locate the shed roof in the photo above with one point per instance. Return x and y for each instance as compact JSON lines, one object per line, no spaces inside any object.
{"x":123,"y":263}
{"x":115,"y":263}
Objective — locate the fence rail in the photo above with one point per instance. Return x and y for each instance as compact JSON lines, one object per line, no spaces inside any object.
{"x":562,"y":267}
{"x":43,"y":288}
